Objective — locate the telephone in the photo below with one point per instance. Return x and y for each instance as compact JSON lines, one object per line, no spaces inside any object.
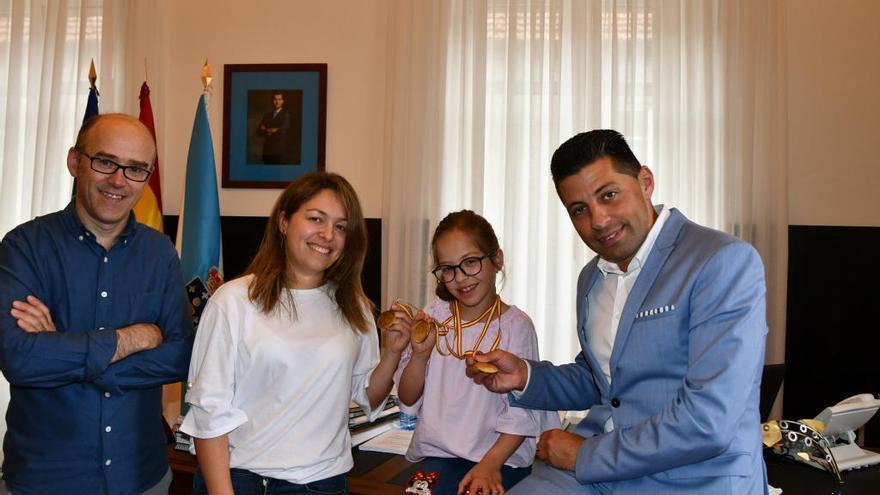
{"x":841,"y":421}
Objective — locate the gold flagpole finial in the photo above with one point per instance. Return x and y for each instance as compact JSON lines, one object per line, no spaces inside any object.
{"x":93,"y":75}
{"x":145,"y":69}
{"x":206,"y":75}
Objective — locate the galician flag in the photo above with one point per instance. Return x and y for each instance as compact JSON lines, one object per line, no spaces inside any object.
{"x":198,"y":236}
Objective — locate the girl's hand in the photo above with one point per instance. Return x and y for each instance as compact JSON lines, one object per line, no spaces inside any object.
{"x":481,"y":479}
{"x":424,"y":348}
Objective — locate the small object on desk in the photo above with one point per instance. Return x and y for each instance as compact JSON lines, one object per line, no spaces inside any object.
{"x":803,"y":442}
{"x":393,"y":441}
{"x":842,"y":420}
{"x":407,"y":421}
{"x":421,"y":482}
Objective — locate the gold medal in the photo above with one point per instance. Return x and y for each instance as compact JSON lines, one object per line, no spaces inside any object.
{"x":420,"y":331}
{"x":486,"y":367}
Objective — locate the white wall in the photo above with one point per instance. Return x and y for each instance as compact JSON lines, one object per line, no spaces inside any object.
{"x":833,"y":112}
{"x":833,"y":102}
{"x":349,"y":37}
{"x":175,"y":37}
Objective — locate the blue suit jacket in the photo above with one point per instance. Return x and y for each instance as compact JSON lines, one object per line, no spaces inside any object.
{"x":686,"y":370}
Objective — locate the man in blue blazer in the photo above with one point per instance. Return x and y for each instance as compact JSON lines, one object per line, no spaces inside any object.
{"x":671,"y":321}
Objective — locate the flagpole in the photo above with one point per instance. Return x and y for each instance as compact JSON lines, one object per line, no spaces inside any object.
{"x":206,"y":83}
{"x":91,"y":108}
{"x":198,"y":235}
{"x":93,"y":75}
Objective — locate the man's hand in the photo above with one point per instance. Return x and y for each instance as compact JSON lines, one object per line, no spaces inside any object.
{"x":136,"y":338}
{"x":512,"y":371}
{"x":32,"y":315}
{"x":559,"y":448}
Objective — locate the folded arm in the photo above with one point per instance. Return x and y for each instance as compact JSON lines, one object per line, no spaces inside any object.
{"x":34,"y":354}
{"x":42,"y":357}
{"x":161,"y":364}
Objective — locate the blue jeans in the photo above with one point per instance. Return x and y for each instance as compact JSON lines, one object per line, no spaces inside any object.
{"x":247,"y":483}
{"x":453,"y":469}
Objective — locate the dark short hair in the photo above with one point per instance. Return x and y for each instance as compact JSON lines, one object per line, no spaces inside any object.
{"x":587,"y":147}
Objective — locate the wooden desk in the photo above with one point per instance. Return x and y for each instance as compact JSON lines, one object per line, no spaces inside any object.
{"x":796,"y":478}
{"x":183,"y":467}
{"x":376,"y":473}
{"x":373,"y":473}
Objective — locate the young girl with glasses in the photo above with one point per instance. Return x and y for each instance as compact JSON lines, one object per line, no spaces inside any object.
{"x":473,"y":438}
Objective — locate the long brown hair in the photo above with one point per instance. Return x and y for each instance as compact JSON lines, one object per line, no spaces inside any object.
{"x":269,"y":266}
{"x":477,"y":228}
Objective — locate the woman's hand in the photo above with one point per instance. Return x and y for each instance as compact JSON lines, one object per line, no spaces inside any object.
{"x":396,"y":336}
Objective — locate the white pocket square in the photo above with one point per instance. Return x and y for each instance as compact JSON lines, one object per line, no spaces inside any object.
{"x":655,"y":311}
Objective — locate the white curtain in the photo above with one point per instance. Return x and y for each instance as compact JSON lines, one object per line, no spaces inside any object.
{"x":482,"y":93}
{"x":45,"y":51}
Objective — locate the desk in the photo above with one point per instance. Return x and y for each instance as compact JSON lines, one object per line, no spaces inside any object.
{"x":376,"y":473}
{"x":799,"y":479}
{"x":373,"y":473}
{"x":183,"y":467}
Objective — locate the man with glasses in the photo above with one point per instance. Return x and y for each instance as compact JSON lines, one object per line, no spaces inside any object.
{"x":94,"y":321}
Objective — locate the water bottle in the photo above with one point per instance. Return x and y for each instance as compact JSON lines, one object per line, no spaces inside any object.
{"x":407,"y":421}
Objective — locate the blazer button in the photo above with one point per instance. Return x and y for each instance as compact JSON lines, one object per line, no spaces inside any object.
{"x":615,"y":402}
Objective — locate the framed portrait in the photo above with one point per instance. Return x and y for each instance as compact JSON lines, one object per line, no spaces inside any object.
{"x":274,"y":123}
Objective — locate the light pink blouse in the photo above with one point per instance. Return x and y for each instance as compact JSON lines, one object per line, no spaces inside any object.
{"x":458,"y":418}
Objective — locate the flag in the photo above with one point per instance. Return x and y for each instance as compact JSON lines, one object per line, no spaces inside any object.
{"x":91,"y":104}
{"x":91,"y":107}
{"x":148,"y":209}
{"x":198,"y":235}
{"x":198,"y":231}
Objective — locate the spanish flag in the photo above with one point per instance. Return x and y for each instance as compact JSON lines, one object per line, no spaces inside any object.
{"x":148,"y":209}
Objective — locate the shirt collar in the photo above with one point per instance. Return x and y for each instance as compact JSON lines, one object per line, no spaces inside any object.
{"x":644,"y":251}
{"x":75,"y":226}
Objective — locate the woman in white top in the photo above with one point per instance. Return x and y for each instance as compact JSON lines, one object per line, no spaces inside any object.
{"x":281,"y":351}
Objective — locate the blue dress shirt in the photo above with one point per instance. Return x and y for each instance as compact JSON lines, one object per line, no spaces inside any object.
{"x":76,"y":423}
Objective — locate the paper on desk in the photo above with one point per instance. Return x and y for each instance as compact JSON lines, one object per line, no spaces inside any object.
{"x":393,"y":441}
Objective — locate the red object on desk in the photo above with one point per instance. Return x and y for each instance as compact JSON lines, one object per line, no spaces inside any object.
{"x":421,"y":482}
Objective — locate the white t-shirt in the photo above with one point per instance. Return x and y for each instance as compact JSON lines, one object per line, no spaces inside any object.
{"x":279,"y":385}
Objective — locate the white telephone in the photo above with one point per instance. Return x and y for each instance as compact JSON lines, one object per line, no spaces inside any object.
{"x":841,"y":421}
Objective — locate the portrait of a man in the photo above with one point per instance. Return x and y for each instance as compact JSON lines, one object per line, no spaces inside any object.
{"x":275,"y":126}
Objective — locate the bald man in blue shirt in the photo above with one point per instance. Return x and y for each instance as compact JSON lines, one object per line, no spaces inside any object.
{"x":95,"y":322}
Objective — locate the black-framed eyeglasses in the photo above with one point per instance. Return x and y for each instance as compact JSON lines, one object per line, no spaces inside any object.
{"x":468,"y":266}
{"x":107,"y":166}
